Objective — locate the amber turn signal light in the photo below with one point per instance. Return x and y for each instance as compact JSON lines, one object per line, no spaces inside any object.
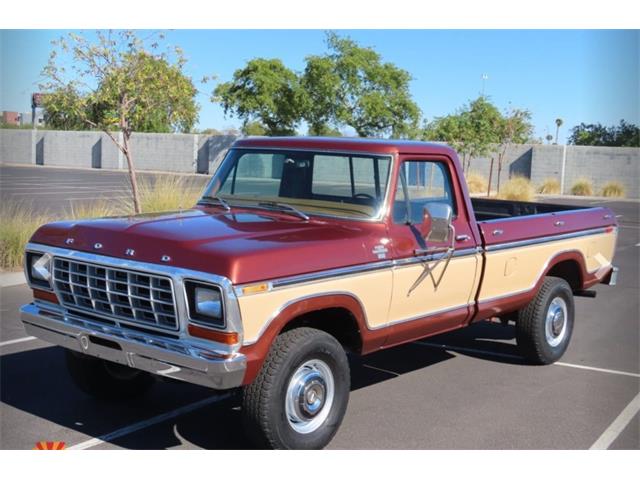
{"x":228,"y":338}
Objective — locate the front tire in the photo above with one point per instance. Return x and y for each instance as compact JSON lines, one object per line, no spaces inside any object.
{"x":544,"y":326}
{"x":300,"y":395}
{"x":106,"y":380}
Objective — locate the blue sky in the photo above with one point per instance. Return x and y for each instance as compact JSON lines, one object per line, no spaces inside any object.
{"x":580,"y":76}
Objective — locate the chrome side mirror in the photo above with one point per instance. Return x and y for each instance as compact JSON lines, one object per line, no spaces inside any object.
{"x":437,"y":219}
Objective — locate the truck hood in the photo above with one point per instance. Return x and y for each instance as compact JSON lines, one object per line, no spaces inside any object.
{"x":244,"y":246}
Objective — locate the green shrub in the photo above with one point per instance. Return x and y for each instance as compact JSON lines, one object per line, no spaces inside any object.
{"x":583,"y":187}
{"x":517,"y":188}
{"x":613,"y":189}
{"x":549,"y":186}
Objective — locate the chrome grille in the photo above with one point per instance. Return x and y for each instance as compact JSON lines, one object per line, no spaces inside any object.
{"x":116,"y":293}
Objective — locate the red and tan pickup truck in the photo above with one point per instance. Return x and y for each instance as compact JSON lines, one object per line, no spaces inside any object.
{"x":299,"y":251}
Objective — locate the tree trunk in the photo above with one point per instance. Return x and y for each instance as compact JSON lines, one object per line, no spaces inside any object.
{"x":500,"y":157}
{"x":132,"y":172}
{"x":490,"y":175}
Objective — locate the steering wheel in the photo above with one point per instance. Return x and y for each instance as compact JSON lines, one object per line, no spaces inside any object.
{"x":364,"y":195}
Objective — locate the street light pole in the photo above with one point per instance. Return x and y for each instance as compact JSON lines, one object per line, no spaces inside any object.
{"x":485,"y":77}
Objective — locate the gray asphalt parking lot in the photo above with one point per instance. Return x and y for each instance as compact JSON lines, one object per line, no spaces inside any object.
{"x":466,"y":389}
{"x":57,"y":189}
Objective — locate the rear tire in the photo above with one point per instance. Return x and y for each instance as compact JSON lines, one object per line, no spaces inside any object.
{"x":544,"y":326}
{"x":300,"y":395}
{"x":106,"y":380}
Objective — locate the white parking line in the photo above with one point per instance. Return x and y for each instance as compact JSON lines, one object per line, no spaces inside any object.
{"x":92,"y":442}
{"x":517,"y":357}
{"x":17,"y":340}
{"x":615,"y":429}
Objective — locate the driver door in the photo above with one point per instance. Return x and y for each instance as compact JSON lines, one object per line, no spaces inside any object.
{"x":443,"y":299}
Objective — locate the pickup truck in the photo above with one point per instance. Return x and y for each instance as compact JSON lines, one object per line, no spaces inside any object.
{"x":300,"y":251}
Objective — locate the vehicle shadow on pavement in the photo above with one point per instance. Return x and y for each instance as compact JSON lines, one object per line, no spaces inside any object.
{"x":36,"y":382}
{"x":483,"y":340}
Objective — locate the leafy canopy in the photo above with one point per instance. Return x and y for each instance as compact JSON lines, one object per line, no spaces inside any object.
{"x":264,"y":91}
{"x":117,"y":82}
{"x":623,"y":135}
{"x":349,"y":86}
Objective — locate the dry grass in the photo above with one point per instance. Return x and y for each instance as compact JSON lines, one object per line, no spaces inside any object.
{"x":613,"y":189}
{"x":167,"y":193}
{"x":476,"y":183}
{"x":583,"y":187}
{"x":517,"y":188}
{"x":99,"y":209}
{"x":549,"y":186}
{"x":18,"y":221}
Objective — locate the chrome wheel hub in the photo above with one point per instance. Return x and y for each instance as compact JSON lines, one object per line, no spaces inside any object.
{"x":309,"y":396}
{"x":555,"y":327}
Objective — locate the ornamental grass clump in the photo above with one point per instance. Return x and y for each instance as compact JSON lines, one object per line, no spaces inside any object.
{"x":613,"y":189}
{"x":517,"y":188}
{"x":582,"y":187}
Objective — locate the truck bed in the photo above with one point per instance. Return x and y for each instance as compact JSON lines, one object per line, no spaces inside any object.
{"x":490,"y":209}
{"x":504,"y":222}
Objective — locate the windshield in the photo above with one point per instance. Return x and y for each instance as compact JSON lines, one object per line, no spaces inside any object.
{"x":348,"y":185}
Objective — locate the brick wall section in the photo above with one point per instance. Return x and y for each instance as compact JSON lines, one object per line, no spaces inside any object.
{"x":187,"y":153}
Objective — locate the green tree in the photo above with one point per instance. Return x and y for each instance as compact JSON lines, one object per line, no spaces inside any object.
{"x":266,"y":91}
{"x":372,"y":96}
{"x":515,"y":128}
{"x":623,"y":135}
{"x":118,"y":83}
{"x":321,"y":86}
{"x":483,"y":122}
{"x":254,"y":129}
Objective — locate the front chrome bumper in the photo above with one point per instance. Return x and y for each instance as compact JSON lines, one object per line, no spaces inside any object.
{"x":173,"y":358}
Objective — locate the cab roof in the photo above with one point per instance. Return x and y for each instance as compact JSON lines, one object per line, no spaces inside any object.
{"x":347,"y":144}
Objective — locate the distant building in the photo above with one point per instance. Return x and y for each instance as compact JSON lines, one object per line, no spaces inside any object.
{"x":25,"y":118}
{"x":10,"y":118}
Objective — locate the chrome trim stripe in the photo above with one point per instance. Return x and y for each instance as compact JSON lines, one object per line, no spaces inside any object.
{"x":424,"y":316}
{"x":178,"y":276}
{"x":335,"y":272}
{"x":552,"y":238}
{"x":351,"y":270}
{"x":538,"y":215}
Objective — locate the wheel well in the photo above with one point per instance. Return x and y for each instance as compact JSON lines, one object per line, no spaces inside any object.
{"x":338,"y":322}
{"x":568,"y":270}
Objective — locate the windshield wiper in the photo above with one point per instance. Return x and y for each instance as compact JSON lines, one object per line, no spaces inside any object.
{"x":221,"y":201}
{"x":284,"y":207}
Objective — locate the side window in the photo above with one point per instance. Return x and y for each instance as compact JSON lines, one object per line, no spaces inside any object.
{"x":421,"y":182}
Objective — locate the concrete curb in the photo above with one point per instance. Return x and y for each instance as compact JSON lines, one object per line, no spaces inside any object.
{"x":12,"y":279}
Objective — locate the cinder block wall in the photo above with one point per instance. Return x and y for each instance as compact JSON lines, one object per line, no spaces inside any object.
{"x":603,"y":164}
{"x":15,"y":146}
{"x":188,"y":153}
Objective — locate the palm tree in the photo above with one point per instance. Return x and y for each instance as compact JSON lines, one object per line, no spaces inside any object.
{"x":559,"y":123}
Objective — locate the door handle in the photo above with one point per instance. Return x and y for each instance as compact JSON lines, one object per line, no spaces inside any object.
{"x":462,"y":238}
